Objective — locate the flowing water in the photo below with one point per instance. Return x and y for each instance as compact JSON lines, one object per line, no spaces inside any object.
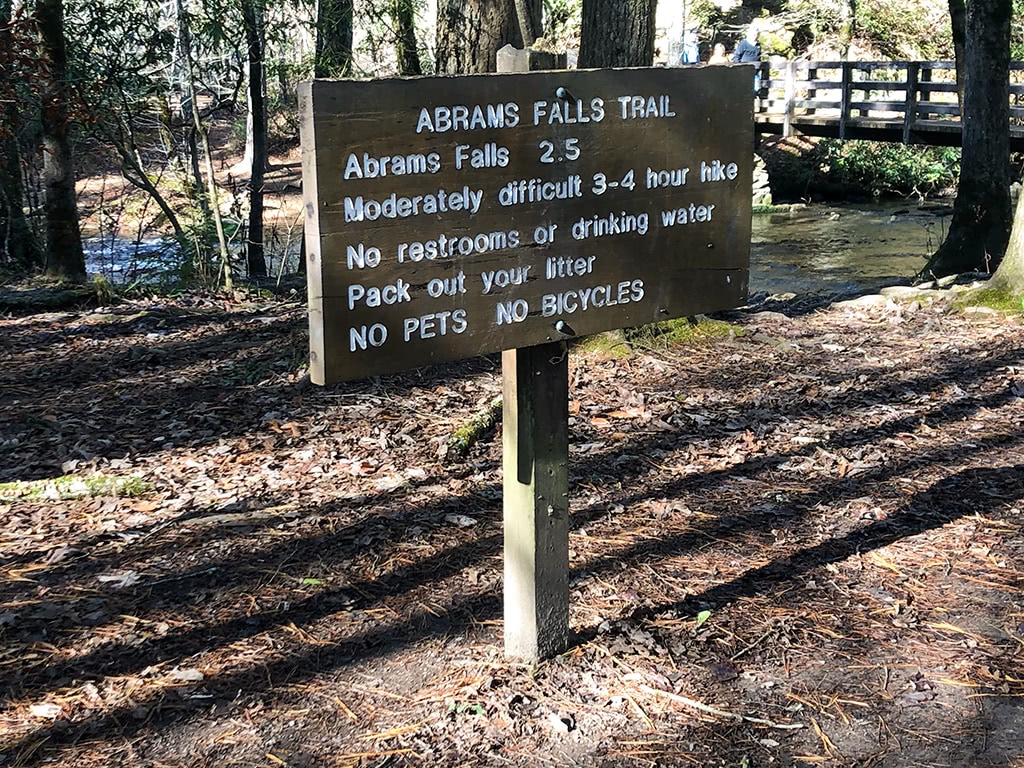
{"x":834,"y":248}
{"x":810,"y":249}
{"x":124,"y":261}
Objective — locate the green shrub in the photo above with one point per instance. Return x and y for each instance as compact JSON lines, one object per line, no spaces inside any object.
{"x":885,"y":169}
{"x":912,"y":29}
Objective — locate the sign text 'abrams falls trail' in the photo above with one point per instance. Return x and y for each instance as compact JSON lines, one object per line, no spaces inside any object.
{"x":451,"y":217}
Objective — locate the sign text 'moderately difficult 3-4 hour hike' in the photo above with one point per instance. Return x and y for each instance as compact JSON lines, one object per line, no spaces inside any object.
{"x":450,"y":217}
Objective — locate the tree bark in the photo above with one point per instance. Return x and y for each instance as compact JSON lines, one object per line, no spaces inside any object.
{"x":848,"y":26}
{"x":958,"y":23}
{"x":186,"y":93}
{"x":403,"y":16}
{"x":64,"y":256}
{"x":470,"y":32}
{"x":617,"y":33}
{"x":982,"y":214}
{"x":252,"y":19}
{"x":526,"y":28}
{"x":204,"y":141}
{"x":333,"y":38}
{"x":18,"y":246}
{"x":1009,"y":276}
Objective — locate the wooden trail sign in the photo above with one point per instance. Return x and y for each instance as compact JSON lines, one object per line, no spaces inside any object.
{"x":450,"y":217}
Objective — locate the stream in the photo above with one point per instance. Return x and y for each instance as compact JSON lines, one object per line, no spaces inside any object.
{"x":842,"y":248}
{"x":809,"y":249}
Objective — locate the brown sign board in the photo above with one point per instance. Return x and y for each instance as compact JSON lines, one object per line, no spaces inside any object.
{"x":448,"y":217}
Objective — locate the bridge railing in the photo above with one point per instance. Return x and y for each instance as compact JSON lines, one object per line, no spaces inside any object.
{"x":850,"y":97}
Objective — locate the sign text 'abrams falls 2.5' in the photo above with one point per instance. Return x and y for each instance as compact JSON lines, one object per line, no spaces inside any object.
{"x":451,"y":217}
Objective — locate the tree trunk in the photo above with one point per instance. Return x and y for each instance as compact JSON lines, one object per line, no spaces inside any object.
{"x":981,"y":214}
{"x":252,"y":19}
{"x":526,"y":28}
{"x":203,"y":140}
{"x":403,"y":16}
{"x":64,"y":256}
{"x":1010,"y":275}
{"x":848,"y":26}
{"x":18,"y":246}
{"x":333,"y":38}
{"x":186,"y":93}
{"x":135,"y":174}
{"x":470,"y":32}
{"x":958,"y":23}
{"x":617,"y":33}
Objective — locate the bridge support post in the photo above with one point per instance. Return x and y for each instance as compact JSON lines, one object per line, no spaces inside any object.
{"x":910,"y":110}
{"x":812,"y":92}
{"x":845,"y":97}
{"x":790,"y":95}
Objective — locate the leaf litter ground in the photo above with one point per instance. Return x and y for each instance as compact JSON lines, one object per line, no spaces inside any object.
{"x":799,"y":544}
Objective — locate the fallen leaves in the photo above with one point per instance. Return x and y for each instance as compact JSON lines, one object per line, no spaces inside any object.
{"x":778,"y":520}
{"x":45,"y":711}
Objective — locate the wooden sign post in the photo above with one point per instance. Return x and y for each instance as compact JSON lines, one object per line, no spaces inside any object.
{"x":452,"y":217}
{"x":535,"y":477}
{"x":535,"y":445}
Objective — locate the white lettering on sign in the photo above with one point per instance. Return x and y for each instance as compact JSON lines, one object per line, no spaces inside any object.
{"x":367,"y":167}
{"x":643,"y":107}
{"x":512,"y":248}
{"x":674,"y":177}
{"x":567,"y":266}
{"x":490,"y":155}
{"x":363,"y":257}
{"x":686,"y":215}
{"x":446,"y":286}
{"x":395,"y":207}
{"x":502,"y":278}
{"x":464,"y":118}
{"x":559,"y":150}
{"x":511,"y":311}
{"x":435,"y":324}
{"x":582,"y":299}
{"x":375,"y":297}
{"x":602,"y":185}
{"x":374,"y":335}
{"x":718,"y":171}
{"x":538,"y":190}
{"x":545,"y":233}
{"x":567,"y":112}
{"x":612,"y":224}
{"x":447,"y":246}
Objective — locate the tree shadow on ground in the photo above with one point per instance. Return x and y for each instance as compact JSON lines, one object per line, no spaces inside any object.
{"x":214,"y":573}
{"x":200,"y":390}
{"x":924,"y":512}
{"x":970,"y":492}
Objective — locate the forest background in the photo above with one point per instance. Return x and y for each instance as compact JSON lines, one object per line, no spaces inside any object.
{"x":176,"y":121}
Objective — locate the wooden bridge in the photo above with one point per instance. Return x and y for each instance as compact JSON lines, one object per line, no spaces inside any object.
{"x":913,"y":102}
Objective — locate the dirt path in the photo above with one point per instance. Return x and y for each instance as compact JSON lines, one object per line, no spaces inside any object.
{"x":797,"y":545}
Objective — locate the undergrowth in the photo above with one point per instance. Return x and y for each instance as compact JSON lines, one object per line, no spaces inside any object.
{"x":999,"y":299}
{"x":73,"y":487}
{"x":682,"y":332}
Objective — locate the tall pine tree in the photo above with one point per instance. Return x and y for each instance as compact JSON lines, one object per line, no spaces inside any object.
{"x":982,"y":214}
{"x":617,"y":33}
{"x":64,"y":255}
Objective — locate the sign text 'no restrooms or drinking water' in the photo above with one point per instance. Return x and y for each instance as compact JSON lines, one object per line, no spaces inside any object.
{"x":451,"y":217}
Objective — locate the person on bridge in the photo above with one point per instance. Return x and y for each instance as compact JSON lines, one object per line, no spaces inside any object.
{"x":691,"y":50}
{"x":748,"y":51}
{"x":718,"y":55}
